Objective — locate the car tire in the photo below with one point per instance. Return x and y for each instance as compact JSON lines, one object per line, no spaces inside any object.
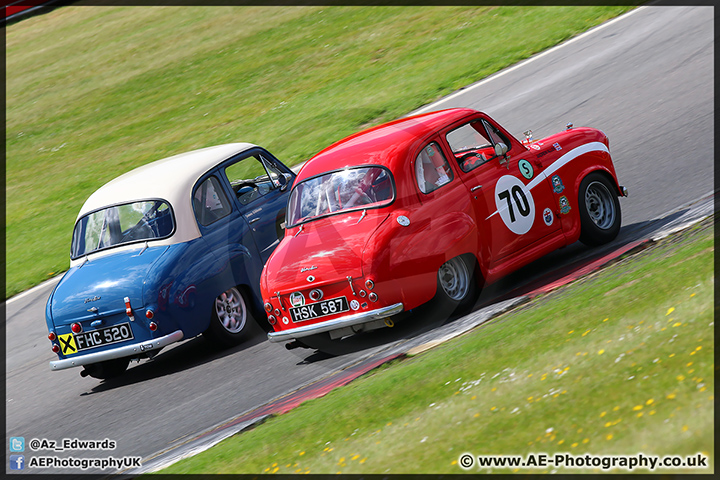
{"x":230,"y":318}
{"x":457,"y":286}
{"x":107,"y":369}
{"x":599,"y":209}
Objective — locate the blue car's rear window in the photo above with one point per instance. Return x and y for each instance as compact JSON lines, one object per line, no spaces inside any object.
{"x":122,"y":224}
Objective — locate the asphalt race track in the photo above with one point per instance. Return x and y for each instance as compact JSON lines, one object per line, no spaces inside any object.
{"x":645,"y":79}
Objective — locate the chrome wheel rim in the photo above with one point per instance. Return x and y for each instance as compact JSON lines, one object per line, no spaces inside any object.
{"x":599,"y":205}
{"x":454,"y":278}
{"x":231,"y":311}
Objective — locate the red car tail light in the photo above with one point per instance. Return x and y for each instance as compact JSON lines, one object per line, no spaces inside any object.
{"x":152,"y":326}
{"x":52,"y":336}
{"x":128,"y":308}
{"x":373,"y":297}
{"x":76,"y":328}
{"x":272,"y":320}
{"x":316,"y":295}
{"x":149,"y":314}
{"x":369,"y":284}
{"x":268,"y":307}
{"x":55,"y":348}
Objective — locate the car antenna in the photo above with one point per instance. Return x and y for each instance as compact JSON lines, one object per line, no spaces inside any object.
{"x":362,"y":216}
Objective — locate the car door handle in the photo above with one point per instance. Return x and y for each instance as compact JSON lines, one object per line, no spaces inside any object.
{"x":254,"y":220}
{"x":476,"y":187}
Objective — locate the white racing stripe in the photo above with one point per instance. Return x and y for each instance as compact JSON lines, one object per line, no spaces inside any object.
{"x":561,"y":162}
{"x":567,"y":158}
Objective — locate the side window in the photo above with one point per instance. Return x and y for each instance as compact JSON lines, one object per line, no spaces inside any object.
{"x":470,"y":145}
{"x":252,"y":177}
{"x":432,"y":170}
{"x":495,"y":134}
{"x":210,"y":203}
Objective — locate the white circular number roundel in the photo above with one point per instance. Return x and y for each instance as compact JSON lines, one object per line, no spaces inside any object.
{"x":515,"y":204}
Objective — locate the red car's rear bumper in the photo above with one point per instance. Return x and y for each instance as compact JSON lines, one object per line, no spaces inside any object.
{"x":336,"y":324}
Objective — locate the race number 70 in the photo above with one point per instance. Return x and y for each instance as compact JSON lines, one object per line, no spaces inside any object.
{"x":515,"y":204}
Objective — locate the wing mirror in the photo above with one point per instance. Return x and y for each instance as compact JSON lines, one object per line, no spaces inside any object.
{"x":284,"y":180}
{"x":500,"y":151}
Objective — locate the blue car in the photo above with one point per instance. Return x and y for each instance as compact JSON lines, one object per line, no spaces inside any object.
{"x":168,"y":251}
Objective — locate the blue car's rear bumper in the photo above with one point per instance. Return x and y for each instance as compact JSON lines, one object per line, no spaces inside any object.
{"x":120,"y":352}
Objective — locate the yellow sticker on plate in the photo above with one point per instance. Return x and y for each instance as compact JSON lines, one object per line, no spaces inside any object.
{"x":67,"y":344}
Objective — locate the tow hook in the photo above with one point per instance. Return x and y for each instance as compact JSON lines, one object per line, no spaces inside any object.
{"x":389,"y":322}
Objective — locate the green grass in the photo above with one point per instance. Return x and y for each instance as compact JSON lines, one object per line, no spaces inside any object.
{"x":620,"y":362}
{"x":93,"y":92}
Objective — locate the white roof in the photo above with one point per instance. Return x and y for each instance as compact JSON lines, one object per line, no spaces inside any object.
{"x":170,"y":179}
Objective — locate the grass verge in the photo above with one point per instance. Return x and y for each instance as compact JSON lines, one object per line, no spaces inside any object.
{"x":618,"y":363}
{"x":92,"y":91}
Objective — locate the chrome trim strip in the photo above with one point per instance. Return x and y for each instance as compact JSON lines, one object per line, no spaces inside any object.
{"x":124,"y":351}
{"x":356,"y":319}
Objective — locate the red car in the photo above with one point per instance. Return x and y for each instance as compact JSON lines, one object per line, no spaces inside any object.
{"x":431,"y":205}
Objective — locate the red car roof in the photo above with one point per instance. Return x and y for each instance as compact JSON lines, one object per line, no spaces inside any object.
{"x":385,"y":144}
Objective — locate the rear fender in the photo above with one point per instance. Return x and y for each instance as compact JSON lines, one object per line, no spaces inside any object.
{"x":404,"y":261}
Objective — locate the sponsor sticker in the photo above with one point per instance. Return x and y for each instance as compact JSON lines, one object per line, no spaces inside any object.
{"x":557,"y":184}
{"x":564,"y":205}
{"x":548,"y":217}
{"x":297,"y":299}
{"x":526,"y":169}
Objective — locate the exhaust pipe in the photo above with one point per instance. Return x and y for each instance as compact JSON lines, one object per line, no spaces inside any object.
{"x":293,"y":344}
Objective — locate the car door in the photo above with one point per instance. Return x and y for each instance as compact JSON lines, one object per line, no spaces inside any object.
{"x":231,"y":257}
{"x":261,"y":187}
{"x":513,"y":204}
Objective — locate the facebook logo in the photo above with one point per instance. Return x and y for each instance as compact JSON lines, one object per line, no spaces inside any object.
{"x":17,"y":462}
{"x":17,"y":444}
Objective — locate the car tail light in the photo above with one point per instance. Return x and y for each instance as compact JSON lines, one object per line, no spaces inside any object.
{"x":128,"y":308}
{"x":149,"y":314}
{"x":55,"y":348}
{"x":52,"y":336}
{"x":272,"y":320}
{"x":316,"y":295}
{"x":268,"y":307}
{"x":369,"y":284}
{"x":76,"y":328}
{"x":277,"y":312}
{"x":373,"y":297}
{"x":152,"y":326}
